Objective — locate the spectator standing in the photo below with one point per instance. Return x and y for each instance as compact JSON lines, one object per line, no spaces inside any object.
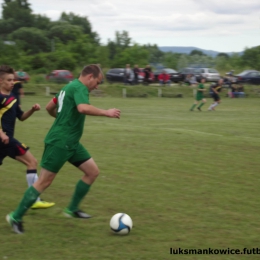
{"x":128,"y":75}
{"x":147,"y":72}
{"x":136,"y":73}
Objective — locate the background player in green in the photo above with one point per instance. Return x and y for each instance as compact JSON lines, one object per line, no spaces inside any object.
{"x":62,"y":144}
{"x":199,"y":96}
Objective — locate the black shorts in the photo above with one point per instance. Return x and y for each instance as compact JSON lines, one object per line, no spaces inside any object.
{"x":215,"y":97}
{"x":12,"y":149}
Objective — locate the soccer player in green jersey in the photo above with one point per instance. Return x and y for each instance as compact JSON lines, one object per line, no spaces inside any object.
{"x":199,"y":96}
{"x":69,"y":107}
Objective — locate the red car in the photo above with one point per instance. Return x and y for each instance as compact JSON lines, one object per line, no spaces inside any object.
{"x":60,"y":76}
{"x":24,"y":77}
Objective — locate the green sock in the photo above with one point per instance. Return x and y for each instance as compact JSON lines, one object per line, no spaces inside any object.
{"x":30,"y":196}
{"x":201,"y":104}
{"x":80,"y":192}
{"x":193,"y":106}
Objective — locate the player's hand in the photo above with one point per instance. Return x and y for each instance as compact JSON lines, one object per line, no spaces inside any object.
{"x":36,"y":107}
{"x":113,"y":112}
{"x":4,"y":138}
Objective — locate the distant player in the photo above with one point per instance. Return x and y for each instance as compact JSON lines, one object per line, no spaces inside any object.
{"x":9,"y":146}
{"x":199,"y":96}
{"x":214,"y":90}
{"x":70,"y":108}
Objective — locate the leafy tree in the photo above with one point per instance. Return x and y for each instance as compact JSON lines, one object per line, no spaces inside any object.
{"x":83,"y":22}
{"x":122,"y":40}
{"x":196,"y":52}
{"x":7,"y":26}
{"x":251,"y":58}
{"x":223,"y":54}
{"x":155,"y":55}
{"x":111,"y":49}
{"x":19,"y":10}
{"x":9,"y":54}
{"x":41,"y":22}
{"x":170,"y":60}
{"x":65,"y":32}
{"x":132,"y":55}
{"x":183,"y":61}
{"x":31,"y":40}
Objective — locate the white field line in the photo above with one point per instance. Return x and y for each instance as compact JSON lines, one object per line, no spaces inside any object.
{"x":162,"y":128}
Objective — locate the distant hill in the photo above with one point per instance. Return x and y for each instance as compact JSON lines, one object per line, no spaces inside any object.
{"x":188,"y":50}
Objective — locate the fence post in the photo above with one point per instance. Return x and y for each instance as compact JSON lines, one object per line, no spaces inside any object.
{"x":124,"y":92}
{"x":47,"y":91}
{"x":159,"y":92}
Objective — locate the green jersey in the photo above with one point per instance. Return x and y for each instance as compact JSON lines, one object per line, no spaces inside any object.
{"x":200,"y":95}
{"x":67,"y":128}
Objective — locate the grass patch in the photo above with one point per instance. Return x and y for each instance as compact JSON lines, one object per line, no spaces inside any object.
{"x":187,"y":179}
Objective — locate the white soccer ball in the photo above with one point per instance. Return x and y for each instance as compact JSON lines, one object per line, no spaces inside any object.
{"x":121,"y":224}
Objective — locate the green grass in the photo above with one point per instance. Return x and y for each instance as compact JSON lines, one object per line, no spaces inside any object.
{"x":187,"y":179}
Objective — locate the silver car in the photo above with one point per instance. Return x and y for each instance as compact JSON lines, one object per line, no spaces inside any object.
{"x":209,"y":74}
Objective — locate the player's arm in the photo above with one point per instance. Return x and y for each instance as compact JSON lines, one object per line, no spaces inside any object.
{"x":4,"y":138}
{"x":94,"y":111}
{"x":51,"y":107}
{"x":28,"y":113}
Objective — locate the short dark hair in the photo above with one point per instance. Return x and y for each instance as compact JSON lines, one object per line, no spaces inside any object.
{"x":91,"y":69}
{"x":5,"y":69}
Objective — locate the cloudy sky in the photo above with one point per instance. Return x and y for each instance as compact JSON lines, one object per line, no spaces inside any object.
{"x":218,"y":25}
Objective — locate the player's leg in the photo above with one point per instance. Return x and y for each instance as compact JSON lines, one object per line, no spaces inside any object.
{"x":52,"y":160}
{"x":29,"y":198}
{"x":87,"y":165}
{"x":31,"y":163}
{"x":203,"y":101}
{"x":194,"y":105}
{"x":215,"y":103}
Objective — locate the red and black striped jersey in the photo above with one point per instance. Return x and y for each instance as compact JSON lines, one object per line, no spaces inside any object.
{"x":9,"y":111}
{"x":216,"y":86}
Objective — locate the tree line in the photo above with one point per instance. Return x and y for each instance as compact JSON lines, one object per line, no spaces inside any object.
{"x":35,"y":43}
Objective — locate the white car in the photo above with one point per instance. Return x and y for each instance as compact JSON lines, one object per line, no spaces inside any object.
{"x":209,"y":74}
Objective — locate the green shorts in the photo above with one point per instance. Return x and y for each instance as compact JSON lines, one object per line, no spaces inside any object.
{"x":199,"y":97}
{"x":54,"y":157}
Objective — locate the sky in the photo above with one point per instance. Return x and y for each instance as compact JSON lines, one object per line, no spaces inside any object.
{"x":219,"y":25}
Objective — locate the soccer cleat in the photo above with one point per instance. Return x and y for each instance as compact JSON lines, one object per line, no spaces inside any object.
{"x":75,"y":214}
{"x":17,"y":226}
{"x":42,"y":205}
{"x":199,"y":108}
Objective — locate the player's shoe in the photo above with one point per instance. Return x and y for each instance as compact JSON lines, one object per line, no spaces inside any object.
{"x":17,"y":226}
{"x":42,"y":204}
{"x":75,"y":214}
{"x":199,"y":108}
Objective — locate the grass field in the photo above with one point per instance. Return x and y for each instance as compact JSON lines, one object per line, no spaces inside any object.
{"x":187,"y":179}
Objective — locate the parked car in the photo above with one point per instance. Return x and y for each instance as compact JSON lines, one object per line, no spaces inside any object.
{"x":117,"y":75}
{"x":24,"y":78}
{"x":60,"y":76}
{"x":209,"y":74}
{"x":248,"y":77}
{"x":187,"y":71}
{"x":174,"y":75}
